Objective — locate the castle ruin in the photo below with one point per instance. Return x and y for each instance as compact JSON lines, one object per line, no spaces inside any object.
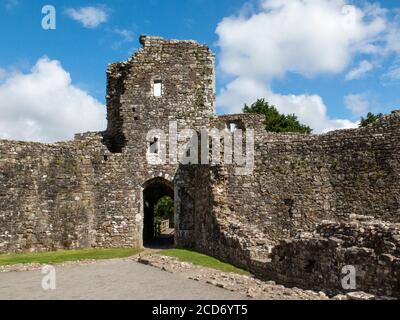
{"x":313,"y":204}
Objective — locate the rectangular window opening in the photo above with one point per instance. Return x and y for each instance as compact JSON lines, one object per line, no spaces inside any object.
{"x":233,"y":126}
{"x":158,"y":88}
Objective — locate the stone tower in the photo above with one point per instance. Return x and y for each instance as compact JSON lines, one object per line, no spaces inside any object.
{"x":165,"y":80}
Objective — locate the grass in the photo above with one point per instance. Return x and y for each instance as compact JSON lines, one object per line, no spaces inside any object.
{"x":67,"y":255}
{"x":203,"y":260}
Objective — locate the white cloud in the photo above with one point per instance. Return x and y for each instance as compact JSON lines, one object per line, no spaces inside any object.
{"x":310,"y":109}
{"x":392,"y":74}
{"x":304,"y":36}
{"x":393,"y":39}
{"x":120,"y":37}
{"x":357,"y":104}
{"x":126,"y":35}
{"x":307,"y":37}
{"x":90,"y":17}
{"x":393,"y":35}
{"x":45,"y":106}
{"x":359,"y":71}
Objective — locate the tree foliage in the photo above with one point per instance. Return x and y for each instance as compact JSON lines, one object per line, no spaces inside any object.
{"x":275,"y":121}
{"x":371,"y":118}
{"x":164,"y":210}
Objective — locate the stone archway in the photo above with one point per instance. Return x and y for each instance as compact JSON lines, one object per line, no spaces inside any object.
{"x":154,"y":190}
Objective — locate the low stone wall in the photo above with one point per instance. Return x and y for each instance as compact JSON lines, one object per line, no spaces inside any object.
{"x":316,"y":260}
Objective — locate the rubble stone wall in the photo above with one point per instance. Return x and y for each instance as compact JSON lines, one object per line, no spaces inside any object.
{"x":65,"y":196}
{"x":321,"y":260}
{"x":300,"y":180}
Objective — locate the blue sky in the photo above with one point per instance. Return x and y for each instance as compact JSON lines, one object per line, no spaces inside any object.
{"x":86,"y":52}
{"x":329,"y":76}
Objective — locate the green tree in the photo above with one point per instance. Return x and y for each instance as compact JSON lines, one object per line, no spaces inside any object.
{"x":164,"y":210}
{"x":275,"y":121}
{"x":371,"y":118}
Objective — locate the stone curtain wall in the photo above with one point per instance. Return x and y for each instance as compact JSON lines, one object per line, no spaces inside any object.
{"x":298,"y":182}
{"x":63,"y":196}
{"x":301,"y":180}
{"x":41,"y":197}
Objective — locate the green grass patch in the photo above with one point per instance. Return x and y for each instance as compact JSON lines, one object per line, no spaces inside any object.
{"x":203,"y":260}
{"x":67,"y":255}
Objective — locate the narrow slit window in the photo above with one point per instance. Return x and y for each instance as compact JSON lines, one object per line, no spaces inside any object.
{"x":154,"y":146}
{"x":158,"y":88}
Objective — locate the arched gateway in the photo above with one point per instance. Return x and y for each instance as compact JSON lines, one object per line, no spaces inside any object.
{"x":158,"y":229}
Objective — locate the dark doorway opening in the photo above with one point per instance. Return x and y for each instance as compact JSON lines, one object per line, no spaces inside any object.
{"x":158,"y":224}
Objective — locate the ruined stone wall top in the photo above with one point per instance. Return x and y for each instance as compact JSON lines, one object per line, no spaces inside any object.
{"x":147,"y":41}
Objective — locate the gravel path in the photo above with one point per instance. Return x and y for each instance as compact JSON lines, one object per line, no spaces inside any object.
{"x":112,"y":279}
{"x":241,"y":284}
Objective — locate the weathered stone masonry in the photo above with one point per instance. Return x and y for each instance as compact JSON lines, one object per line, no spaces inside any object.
{"x":89,"y":192}
{"x":298,"y":182}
